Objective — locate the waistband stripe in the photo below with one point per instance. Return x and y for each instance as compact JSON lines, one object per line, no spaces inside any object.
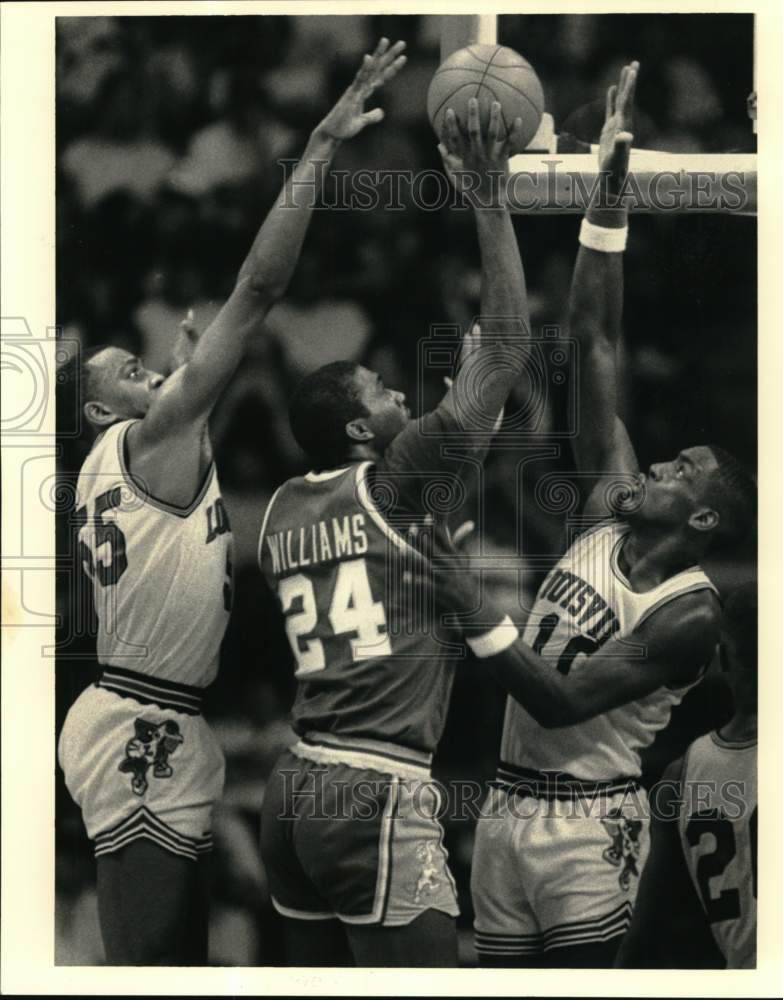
{"x":371,"y":755}
{"x":551,"y":785}
{"x":379,"y":748}
{"x":150,"y":689}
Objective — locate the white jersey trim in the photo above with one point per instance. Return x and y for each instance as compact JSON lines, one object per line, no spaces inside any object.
{"x":718,"y":740}
{"x":264,"y":523}
{"x":699,"y":585}
{"x":322,"y":477}
{"x":161,"y":505}
{"x":694,"y":570}
{"x":365,"y":500}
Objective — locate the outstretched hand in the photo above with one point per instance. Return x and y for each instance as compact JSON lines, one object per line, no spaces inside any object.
{"x":478,"y":163}
{"x":184,"y":343}
{"x":348,"y":117}
{"x":614,"y":148}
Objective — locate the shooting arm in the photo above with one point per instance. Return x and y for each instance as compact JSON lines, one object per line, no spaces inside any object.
{"x":490,"y":371}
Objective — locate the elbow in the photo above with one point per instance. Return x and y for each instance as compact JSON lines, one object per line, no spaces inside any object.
{"x":583,"y":327}
{"x":266,"y":280}
{"x":267,"y":290}
{"x":557,"y":713}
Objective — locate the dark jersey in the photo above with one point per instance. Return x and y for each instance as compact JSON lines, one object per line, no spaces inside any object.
{"x":345,"y":552}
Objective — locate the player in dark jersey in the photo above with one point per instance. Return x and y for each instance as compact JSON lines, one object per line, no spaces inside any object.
{"x":153,"y":439}
{"x":696,"y":906}
{"x":350,"y":836}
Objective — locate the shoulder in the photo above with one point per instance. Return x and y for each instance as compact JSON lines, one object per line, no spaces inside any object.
{"x":109,"y":440}
{"x":682,"y":635}
{"x":694,"y":613}
{"x":675,"y":771}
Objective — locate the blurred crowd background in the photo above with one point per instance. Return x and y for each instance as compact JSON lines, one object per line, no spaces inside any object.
{"x":169,"y":131}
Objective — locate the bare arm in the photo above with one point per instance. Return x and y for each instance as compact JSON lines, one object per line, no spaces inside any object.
{"x":492,"y":364}
{"x":193,"y":389}
{"x":479,"y":169}
{"x":668,"y":649}
{"x":595,"y":306}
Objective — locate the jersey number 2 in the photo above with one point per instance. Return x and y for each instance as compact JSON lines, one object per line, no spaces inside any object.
{"x":352,"y":609}
{"x":726,"y":905}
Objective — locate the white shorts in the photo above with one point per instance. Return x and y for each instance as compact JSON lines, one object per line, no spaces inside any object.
{"x":551,"y":873}
{"x":139,"y":770}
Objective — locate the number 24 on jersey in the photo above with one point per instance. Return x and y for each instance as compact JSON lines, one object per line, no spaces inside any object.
{"x":352,"y":609}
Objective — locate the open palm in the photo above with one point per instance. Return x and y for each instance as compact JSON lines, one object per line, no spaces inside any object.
{"x":348,"y":117}
{"x":614,"y":146}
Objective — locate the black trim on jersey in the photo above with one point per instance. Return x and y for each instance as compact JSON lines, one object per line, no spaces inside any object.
{"x":556,"y":785}
{"x":151,"y":690}
{"x":162,"y":505}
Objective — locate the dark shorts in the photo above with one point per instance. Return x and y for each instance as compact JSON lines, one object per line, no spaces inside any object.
{"x":355,"y":843}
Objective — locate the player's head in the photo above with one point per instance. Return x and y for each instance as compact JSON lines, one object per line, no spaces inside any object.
{"x":739,"y":644}
{"x":704,"y":491}
{"x":342,"y":410}
{"x":106,"y":384}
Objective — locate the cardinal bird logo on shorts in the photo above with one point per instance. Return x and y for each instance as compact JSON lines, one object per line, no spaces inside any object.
{"x":428,"y":876}
{"x":624,"y":850}
{"x":152,"y":746}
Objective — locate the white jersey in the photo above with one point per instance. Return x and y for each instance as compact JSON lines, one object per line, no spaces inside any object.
{"x":161,"y":574}
{"x":584,"y":601}
{"x":717,"y":826}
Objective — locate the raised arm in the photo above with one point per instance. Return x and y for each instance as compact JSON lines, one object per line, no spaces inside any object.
{"x":468,"y":413}
{"x":602,"y":445}
{"x":192,"y":390}
{"x":478,"y":167}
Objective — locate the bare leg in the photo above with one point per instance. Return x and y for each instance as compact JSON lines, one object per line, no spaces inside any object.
{"x":153,"y":906}
{"x":430,"y":940}
{"x":316,"y":943}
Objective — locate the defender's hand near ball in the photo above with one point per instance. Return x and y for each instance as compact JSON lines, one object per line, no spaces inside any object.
{"x":479,"y":165}
{"x":614,"y":148}
{"x":348,"y":117}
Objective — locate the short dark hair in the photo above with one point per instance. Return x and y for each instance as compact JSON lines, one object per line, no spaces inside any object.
{"x":322,"y":404}
{"x":76,"y":385}
{"x":734,"y":493}
{"x":740,"y":621}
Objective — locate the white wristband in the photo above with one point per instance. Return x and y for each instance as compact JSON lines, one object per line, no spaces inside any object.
{"x":603,"y":239}
{"x":494,"y":641}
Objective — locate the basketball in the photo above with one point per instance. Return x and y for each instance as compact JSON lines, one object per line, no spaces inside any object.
{"x":489,"y":73}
